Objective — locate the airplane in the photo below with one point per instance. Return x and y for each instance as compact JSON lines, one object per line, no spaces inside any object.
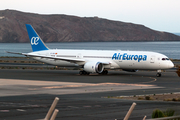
{"x":96,"y":61}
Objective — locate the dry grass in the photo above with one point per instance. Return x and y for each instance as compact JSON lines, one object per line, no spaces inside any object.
{"x":159,"y":97}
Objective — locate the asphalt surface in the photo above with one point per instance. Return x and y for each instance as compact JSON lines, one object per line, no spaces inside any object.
{"x":28,"y":94}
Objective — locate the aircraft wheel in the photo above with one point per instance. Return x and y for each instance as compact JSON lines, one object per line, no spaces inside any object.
{"x":106,"y":72}
{"x":80,"y":72}
{"x":83,"y":73}
{"x":158,"y":74}
{"x":86,"y":73}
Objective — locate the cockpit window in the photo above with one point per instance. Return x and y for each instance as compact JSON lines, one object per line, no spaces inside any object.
{"x":165,"y":59}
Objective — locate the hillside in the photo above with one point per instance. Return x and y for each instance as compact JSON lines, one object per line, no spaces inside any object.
{"x":177,"y":34}
{"x":64,"y":28}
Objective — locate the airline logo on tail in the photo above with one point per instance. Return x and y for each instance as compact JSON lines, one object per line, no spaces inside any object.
{"x":34,"y":40}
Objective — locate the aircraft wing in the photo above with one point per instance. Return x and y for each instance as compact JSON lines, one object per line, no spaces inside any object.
{"x":50,"y":57}
{"x":56,"y":58}
{"x":72,"y":60}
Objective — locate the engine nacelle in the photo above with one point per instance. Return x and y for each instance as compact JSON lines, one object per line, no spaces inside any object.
{"x":94,"y":67}
{"x":130,"y":70}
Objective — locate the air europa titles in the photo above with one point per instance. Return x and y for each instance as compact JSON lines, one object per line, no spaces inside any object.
{"x":125,"y":56}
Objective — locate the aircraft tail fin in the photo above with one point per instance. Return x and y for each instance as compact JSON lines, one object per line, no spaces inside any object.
{"x":36,"y":42}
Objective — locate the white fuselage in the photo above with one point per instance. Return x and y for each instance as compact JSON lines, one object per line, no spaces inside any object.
{"x":116,"y":59}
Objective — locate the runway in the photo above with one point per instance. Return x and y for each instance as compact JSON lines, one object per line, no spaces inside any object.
{"x":28,"y":94}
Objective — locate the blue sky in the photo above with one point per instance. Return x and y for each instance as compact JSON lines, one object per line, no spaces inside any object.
{"x":161,"y":15}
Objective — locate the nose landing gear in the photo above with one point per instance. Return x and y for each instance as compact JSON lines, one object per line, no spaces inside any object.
{"x":158,"y":73}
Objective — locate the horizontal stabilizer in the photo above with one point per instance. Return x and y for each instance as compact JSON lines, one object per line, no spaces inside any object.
{"x":14,"y":53}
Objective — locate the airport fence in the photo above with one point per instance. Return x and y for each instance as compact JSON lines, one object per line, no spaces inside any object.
{"x":163,"y":118}
{"x":53,"y":116}
{"x":49,"y":114}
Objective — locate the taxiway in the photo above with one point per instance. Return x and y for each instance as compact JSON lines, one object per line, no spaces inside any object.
{"x":28,"y":94}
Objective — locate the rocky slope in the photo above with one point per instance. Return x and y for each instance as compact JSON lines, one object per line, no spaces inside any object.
{"x":63,"y":28}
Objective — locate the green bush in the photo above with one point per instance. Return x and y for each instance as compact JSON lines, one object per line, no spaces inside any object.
{"x":140,"y":98}
{"x":178,"y":71}
{"x":174,"y":99}
{"x":147,"y":98}
{"x":157,"y":113}
{"x":169,"y":112}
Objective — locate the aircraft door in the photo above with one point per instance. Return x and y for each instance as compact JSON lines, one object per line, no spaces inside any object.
{"x":152,"y":59}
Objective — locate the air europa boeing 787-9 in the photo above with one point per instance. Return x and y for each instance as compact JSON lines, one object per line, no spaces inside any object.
{"x":96,"y":61}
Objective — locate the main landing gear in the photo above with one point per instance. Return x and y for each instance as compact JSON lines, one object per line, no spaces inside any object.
{"x":158,"y":73}
{"x":82,"y":72}
{"x":104,"y":72}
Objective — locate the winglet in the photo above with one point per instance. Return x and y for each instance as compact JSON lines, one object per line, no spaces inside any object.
{"x":36,"y":42}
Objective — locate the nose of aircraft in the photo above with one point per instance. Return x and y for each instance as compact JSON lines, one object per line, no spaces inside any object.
{"x":171,"y":65}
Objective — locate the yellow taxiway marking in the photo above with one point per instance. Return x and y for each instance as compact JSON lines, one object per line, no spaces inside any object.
{"x":150,"y":81}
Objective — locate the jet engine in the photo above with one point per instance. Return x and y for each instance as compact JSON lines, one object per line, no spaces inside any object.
{"x":130,"y":70}
{"x":93,"y":67}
